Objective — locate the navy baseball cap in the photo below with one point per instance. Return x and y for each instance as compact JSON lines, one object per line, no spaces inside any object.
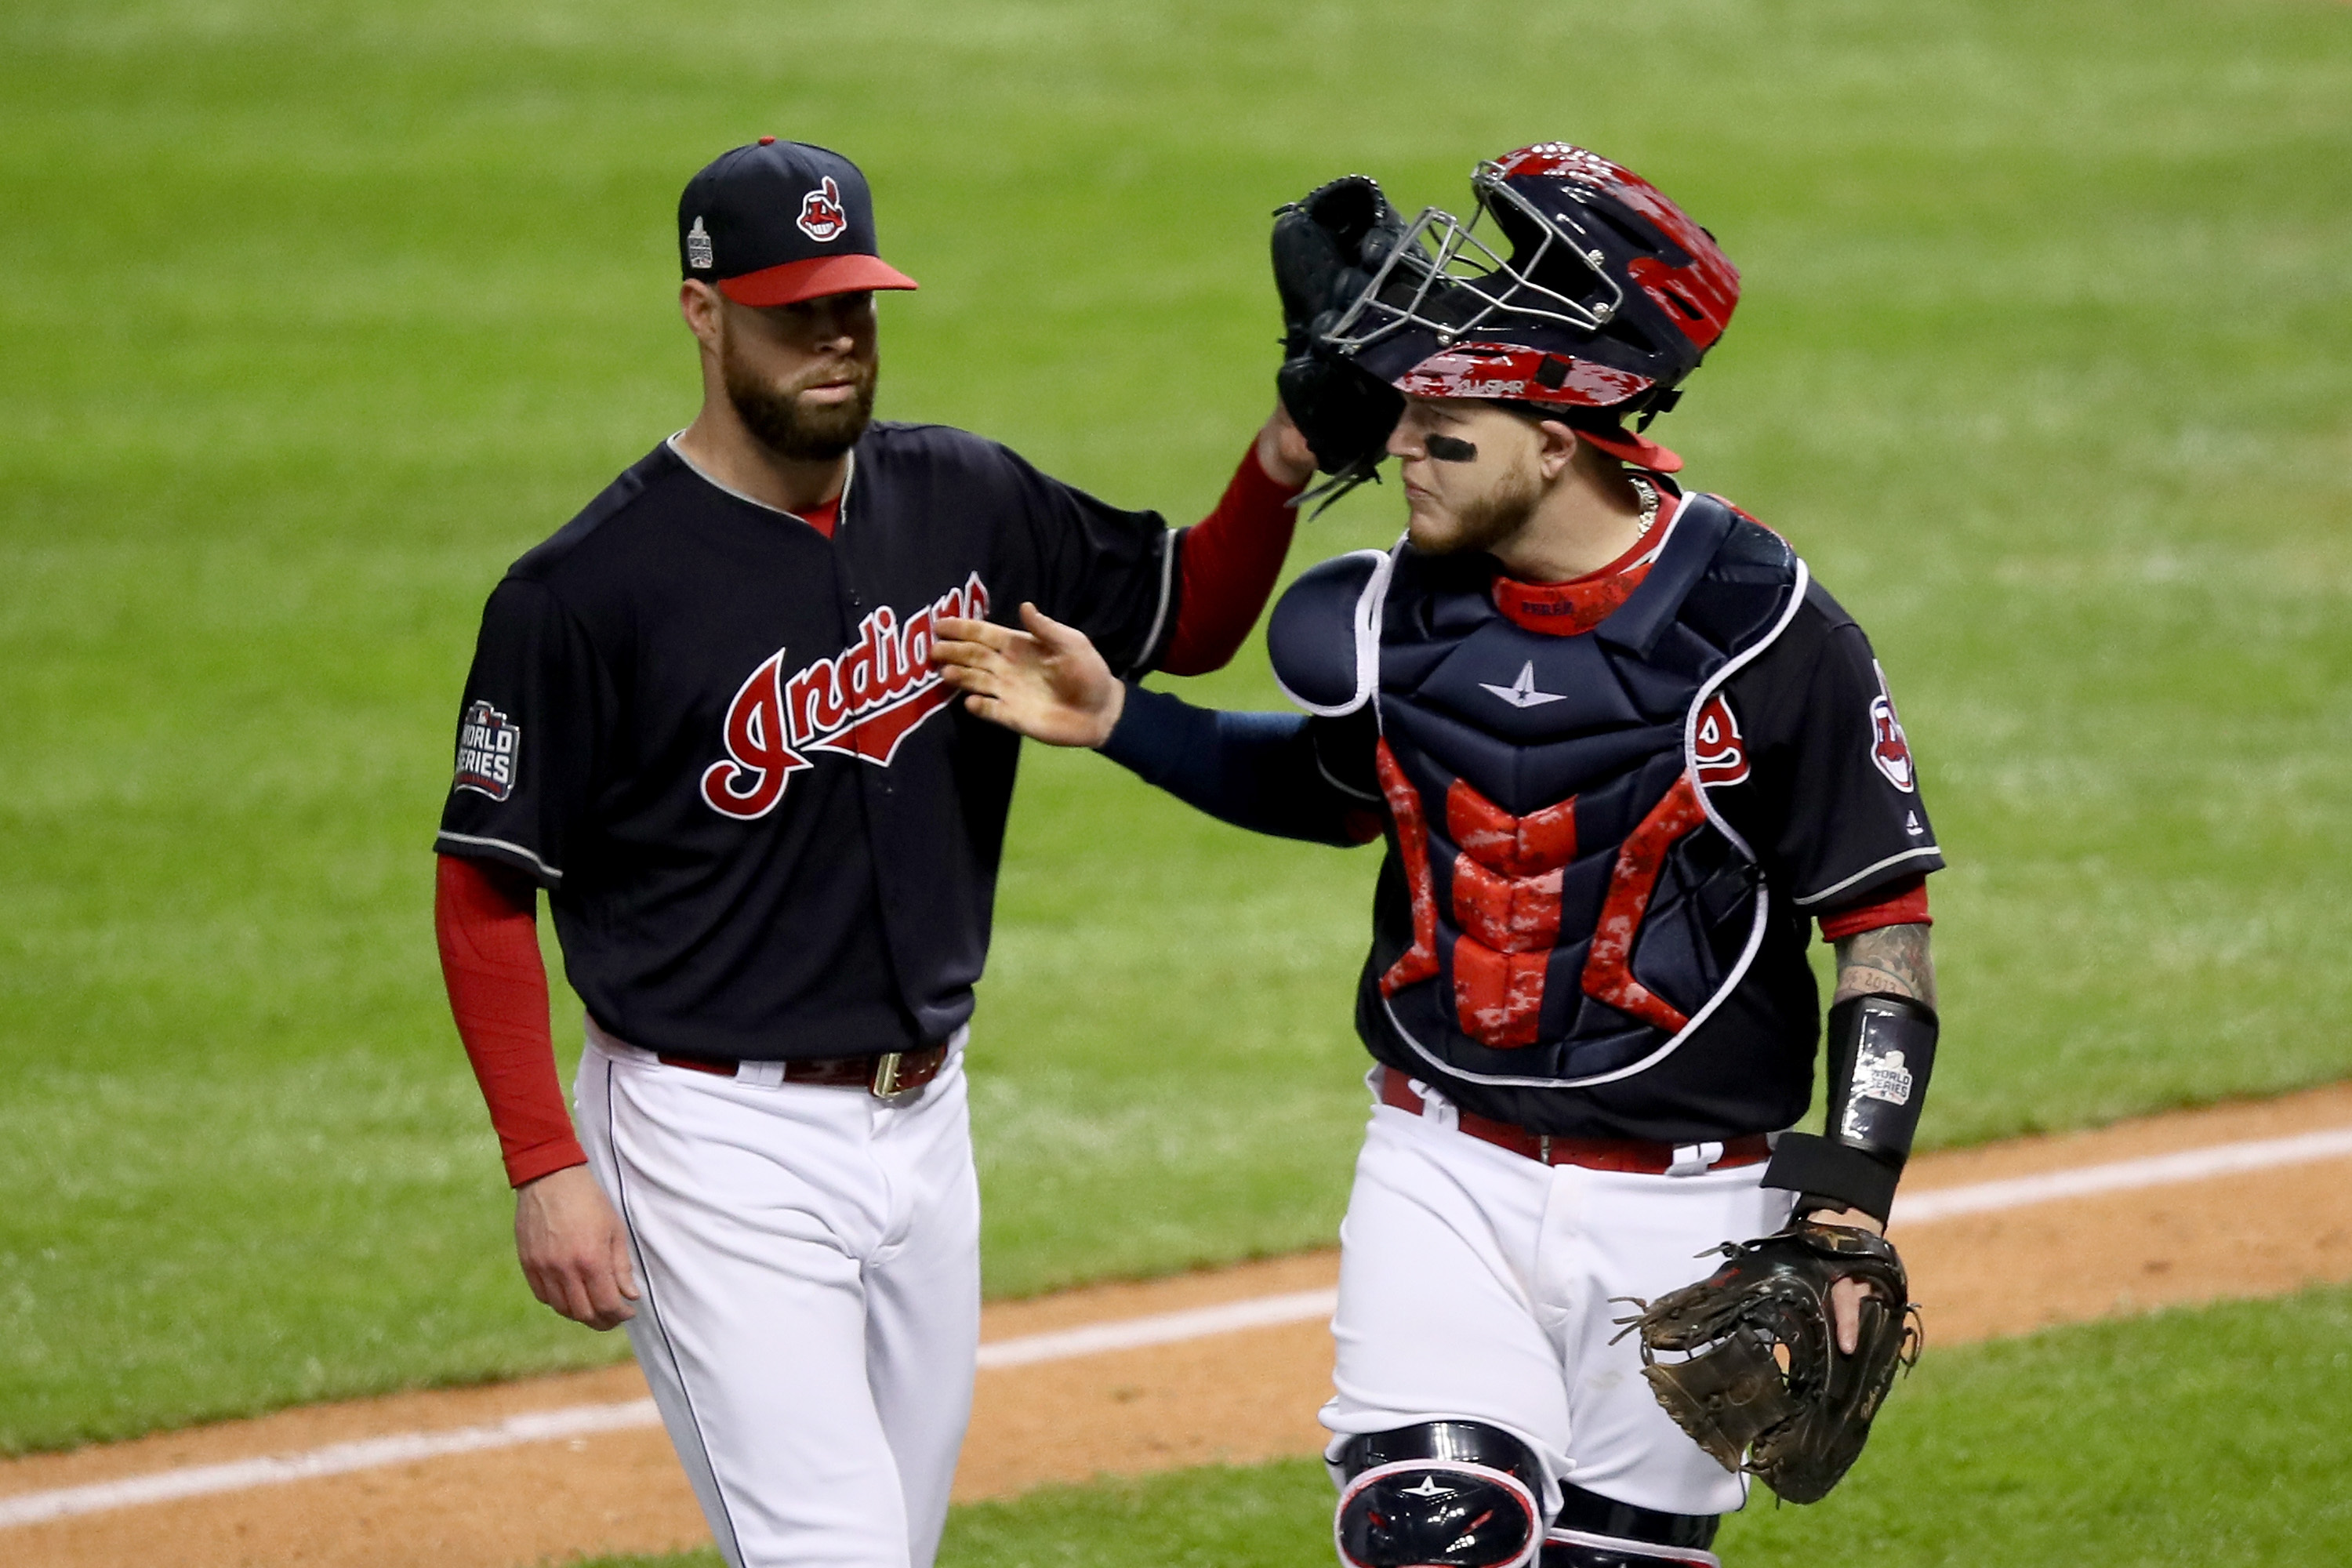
{"x":777,"y":222}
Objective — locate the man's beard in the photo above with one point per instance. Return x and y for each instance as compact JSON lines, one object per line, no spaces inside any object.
{"x":1483,"y":523}
{"x":774,"y":414}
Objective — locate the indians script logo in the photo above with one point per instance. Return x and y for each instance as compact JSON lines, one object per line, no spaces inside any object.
{"x":488,"y":745}
{"x":821,"y":218}
{"x":1889,"y":748}
{"x":1716,"y":750}
{"x":860,"y":702}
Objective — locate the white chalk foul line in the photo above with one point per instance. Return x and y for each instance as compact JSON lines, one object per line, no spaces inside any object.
{"x":2124,"y":1175}
{"x":334,"y":1460}
{"x":1096,"y":1339}
{"x":1165,"y":1328}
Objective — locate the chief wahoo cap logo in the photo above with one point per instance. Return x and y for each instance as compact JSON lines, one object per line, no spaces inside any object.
{"x":821,"y":218}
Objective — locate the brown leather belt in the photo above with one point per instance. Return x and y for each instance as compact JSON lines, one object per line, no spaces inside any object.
{"x":1636,"y":1156}
{"x":887,"y":1076}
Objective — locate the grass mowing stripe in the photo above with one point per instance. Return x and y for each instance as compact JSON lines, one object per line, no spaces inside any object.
{"x":2042,"y":363}
{"x":2176,"y":1440}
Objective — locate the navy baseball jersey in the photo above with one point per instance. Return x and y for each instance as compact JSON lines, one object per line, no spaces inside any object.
{"x":714,"y":735}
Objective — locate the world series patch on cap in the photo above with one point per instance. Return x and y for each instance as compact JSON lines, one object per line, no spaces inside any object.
{"x":777,"y":222}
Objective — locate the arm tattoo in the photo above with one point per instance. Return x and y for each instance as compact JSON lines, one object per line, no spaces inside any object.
{"x":1890,"y":959}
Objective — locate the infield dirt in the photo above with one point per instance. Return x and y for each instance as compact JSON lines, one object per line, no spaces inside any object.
{"x":1238,"y":1397}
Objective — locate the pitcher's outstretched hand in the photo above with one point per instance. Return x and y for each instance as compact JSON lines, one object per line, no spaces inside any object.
{"x":1048,"y":683}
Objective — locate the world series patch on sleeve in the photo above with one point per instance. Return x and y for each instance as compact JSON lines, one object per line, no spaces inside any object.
{"x":489,"y":747}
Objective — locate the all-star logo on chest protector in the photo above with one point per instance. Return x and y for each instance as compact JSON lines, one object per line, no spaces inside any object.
{"x":1522,"y":692}
{"x":860,"y":702}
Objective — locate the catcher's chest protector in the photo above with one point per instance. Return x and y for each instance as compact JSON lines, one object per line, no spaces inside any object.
{"x":1569,"y":907}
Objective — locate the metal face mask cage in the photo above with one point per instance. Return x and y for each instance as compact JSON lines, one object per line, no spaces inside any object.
{"x":1441,"y":277}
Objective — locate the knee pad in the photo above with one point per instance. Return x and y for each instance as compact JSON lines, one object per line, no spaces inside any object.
{"x":1443,"y":1494}
{"x":1594,"y":1532}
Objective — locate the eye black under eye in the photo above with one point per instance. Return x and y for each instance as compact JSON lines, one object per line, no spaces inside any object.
{"x":1447,"y":449}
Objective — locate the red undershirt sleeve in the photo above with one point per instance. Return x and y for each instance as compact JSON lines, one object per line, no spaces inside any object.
{"x":1905,"y":904}
{"x":1229,"y":561}
{"x":486,"y":919}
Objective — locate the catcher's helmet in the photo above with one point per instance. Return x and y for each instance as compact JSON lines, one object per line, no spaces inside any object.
{"x":1608,"y":299}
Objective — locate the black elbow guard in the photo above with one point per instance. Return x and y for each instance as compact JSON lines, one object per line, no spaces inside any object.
{"x":1882,"y":1049}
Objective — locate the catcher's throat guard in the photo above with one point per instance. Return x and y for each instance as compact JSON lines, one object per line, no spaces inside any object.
{"x":1756,"y":1377}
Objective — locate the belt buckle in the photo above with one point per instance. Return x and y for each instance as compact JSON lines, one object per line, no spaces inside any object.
{"x":884,"y":1084}
{"x":1694,"y":1159}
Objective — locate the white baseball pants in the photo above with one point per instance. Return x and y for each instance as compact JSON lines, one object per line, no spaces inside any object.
{"x":1475,"y":1285}
{"x":809,"y":1259}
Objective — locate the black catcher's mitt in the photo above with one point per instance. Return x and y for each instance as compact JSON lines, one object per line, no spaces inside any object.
{"x":1326,"y":247}
{"x":1800,"y":1426}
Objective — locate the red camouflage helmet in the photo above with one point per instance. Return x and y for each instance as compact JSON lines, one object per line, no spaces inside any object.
{"x":1610,"y":296}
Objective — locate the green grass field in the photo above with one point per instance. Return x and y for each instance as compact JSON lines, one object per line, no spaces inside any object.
{"x":315,"y":316}
{"x":2174,"y":1441}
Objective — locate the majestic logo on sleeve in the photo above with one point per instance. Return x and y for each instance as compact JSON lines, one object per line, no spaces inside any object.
{"x":1716,"y":750}
{"x":860,"y":702}
{"x":488,"y":746}
{"x":1889,"y":749}
{"x":821,"y":218}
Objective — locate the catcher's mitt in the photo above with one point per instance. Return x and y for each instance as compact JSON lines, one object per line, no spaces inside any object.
{"x":1763,"y":1386}
{"x":1326,"y":247}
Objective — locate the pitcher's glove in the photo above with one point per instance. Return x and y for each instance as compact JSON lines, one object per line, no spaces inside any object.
{"x":1801,"y":1428}
{"x":1327,"y":245}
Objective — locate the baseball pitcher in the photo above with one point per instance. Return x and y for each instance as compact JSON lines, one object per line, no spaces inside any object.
{"x":703,"y":718}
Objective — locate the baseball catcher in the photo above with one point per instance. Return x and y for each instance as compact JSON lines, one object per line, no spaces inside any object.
{"x":1625,"y":754}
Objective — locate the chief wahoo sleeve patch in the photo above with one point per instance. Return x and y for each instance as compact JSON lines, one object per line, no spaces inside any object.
{"x":1890,"y":750}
